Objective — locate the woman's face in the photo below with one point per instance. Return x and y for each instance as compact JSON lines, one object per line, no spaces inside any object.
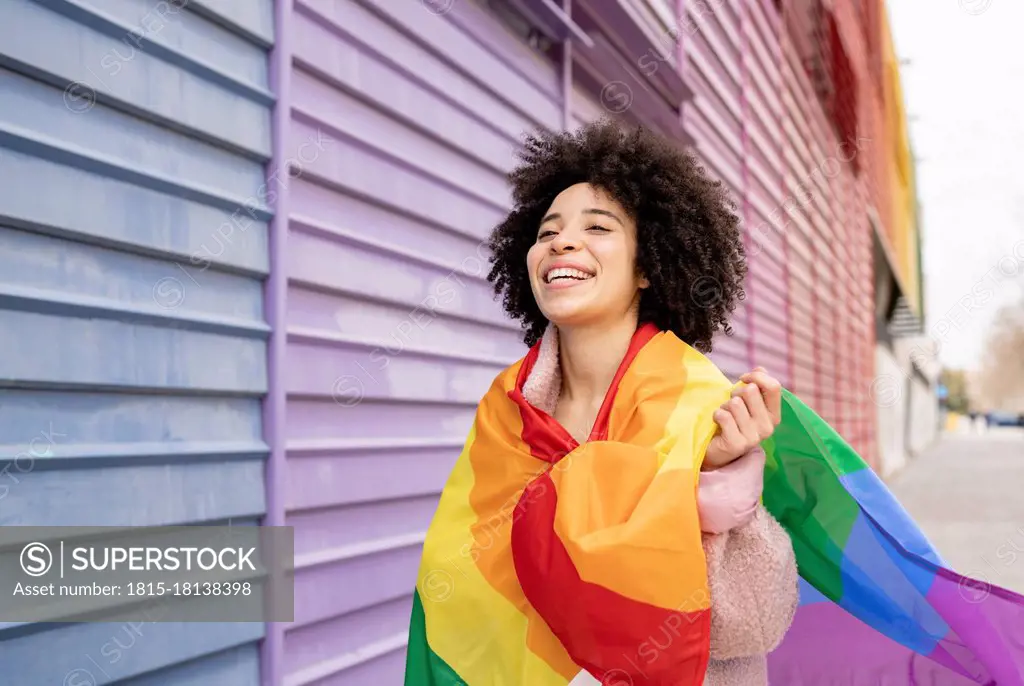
{"x":583,"y":264}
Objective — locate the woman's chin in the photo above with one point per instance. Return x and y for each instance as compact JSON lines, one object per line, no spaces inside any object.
{"x":564,"y":317}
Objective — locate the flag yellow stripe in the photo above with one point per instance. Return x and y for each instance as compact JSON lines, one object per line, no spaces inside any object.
{"x":472,"y":627}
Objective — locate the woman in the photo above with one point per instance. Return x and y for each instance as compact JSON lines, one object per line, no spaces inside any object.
{"x":604,"y":520}
{"x":592,"y":276}
{"x":612,"y":239}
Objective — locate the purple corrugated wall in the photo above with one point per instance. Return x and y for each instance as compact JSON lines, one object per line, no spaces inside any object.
{"x":274,"y":297}
{"x":402,"y":123}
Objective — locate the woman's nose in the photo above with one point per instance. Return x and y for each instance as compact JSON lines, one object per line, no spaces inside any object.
{"x":567,"y":240}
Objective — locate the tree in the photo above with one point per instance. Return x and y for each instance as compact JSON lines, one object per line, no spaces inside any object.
{"x":1001,"y":377}
{"x":955,"y":381}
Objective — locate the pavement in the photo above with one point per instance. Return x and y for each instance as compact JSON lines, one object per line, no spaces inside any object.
{"x":965,"y":492}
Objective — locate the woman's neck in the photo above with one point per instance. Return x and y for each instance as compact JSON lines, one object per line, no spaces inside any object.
{"x":589,"y":358}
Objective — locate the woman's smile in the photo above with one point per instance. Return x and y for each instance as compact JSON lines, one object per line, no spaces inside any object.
{"x":562,"y":274}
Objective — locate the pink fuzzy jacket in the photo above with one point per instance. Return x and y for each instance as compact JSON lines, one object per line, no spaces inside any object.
{"x":751,"y":565}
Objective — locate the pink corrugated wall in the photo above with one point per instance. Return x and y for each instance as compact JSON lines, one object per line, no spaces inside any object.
{"x":809,"y":167}
{"x":799,"y":208}
{"x":862,"y":195}
{"x":830,"y":246}
{"x":764,"y":192}
{"x":759,"y":126}
{"x":731,"y":60}
{"x":711,"y":48}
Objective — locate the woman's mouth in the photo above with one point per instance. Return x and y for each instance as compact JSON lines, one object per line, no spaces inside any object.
{"x":566,"y":277}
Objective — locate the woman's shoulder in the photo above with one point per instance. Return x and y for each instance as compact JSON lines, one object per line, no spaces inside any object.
{"x":670,"y":366}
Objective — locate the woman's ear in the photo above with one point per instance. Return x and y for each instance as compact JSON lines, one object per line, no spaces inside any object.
{"x":644,"y":283}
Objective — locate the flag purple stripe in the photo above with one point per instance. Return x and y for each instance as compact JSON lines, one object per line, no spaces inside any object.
{"x":989,"y":621}
{"x":827,"y":645}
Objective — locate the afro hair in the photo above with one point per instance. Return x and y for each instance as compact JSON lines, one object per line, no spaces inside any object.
{"x":689,"y":245}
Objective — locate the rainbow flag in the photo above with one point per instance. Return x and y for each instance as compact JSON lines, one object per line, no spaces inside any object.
{"x":547,"y":556}
{"x":877,"y":603}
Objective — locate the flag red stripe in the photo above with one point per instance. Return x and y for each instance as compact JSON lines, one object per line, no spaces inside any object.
{"x":617,"y":639}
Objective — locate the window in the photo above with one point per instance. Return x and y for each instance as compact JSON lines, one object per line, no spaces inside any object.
{"x":520,"y":25}
{"x":842,"y":107}
{"x":816,"y":36}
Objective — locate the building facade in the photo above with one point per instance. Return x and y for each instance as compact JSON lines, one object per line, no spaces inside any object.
{"x":134,"y":343}
{"x":243,"y":265}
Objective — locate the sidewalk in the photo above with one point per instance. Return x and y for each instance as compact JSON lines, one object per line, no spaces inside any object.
{"x":967,"y":494}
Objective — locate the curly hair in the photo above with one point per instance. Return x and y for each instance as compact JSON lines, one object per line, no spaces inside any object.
{"x":689,"y":245}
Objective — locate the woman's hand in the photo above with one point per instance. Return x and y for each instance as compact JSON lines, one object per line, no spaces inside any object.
{"x":746,"y":419}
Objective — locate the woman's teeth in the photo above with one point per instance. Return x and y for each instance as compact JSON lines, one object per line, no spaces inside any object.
{"x":567,"y":273}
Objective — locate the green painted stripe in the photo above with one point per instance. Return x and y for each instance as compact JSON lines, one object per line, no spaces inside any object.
{"x":803,"y":491}
{"x":422,"y":666}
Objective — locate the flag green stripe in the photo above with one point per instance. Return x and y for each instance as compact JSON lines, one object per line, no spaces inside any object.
{"x":422,"y":666}
{"x":805,"y":494}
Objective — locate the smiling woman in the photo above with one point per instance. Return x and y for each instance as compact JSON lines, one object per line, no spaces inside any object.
{"x":590,"y":451}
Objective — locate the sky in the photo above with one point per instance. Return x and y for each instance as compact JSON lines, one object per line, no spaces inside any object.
{"x":964,"y":90}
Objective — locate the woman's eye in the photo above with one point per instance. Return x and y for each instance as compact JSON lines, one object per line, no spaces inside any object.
{"x":599,"y":228}
{"x":545,"y":233}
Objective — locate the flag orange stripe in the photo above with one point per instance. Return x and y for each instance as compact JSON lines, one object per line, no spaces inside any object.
{"x":503,"y":467}
{"x":613,"y":637}
{"x":643,"y":542}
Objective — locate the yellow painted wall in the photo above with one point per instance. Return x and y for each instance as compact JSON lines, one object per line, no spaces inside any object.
{"x":901,"y":228}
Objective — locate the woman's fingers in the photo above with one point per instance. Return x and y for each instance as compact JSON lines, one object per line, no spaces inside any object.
{"x":770,"y":388}
{"x":745,"y":423}
{"x":748,"y":417}
{"x":732,"y":437}
{"x":762,"y":423}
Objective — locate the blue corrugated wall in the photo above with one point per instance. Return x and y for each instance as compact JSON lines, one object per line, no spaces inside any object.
{"x":134,"y":136}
